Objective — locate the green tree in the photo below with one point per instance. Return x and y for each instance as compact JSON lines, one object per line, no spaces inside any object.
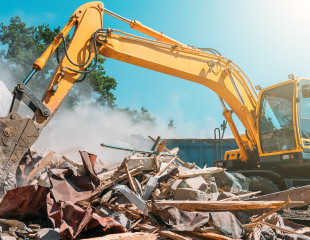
{"x":102,"y":85}
{"x":23,"y":45}
{"x":139,"y":117}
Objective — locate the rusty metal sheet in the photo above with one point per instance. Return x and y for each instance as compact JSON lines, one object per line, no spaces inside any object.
{"x":27,"y":202}
{"x":89,"y":161}
{"x":72,"y":220}
{"x":67,"y":186}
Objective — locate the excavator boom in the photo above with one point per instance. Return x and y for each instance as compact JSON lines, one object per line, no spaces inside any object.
{"x":163,"y":54}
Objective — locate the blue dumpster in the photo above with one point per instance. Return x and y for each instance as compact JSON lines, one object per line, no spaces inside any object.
{"x":200,"y":151}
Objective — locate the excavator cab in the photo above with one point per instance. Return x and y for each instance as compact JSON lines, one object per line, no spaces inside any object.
{"x":283,"y":149}
{"x":276,"y":125}
{"x":284,"y":121}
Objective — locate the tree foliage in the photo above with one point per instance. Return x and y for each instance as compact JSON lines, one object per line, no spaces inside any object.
{"x":23,"y":45}
{"x":138,"y":117}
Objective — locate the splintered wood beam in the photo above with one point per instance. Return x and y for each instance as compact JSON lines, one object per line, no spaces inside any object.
{"x":241,"y":197}
{"x":282,"y":205}
{"x":167,"y":150}
{"x":168,"y":164}
{"x":161,"y":146}
{"x":43,"y":163}
{"x":126,"y":236}
{"x":199,"y":172}
{"x":111,"y":182}
{"x":208,"y":236}
{"x":295,"y":194}
{"x":154,"y":145}
{"x":164,"y":233}
{"x":130,"y":180}
{"x":278,"y":228}
{"x":156,"y":164}
{"x":219,"y":205}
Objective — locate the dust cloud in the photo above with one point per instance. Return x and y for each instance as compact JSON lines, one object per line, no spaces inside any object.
{"x":5,"y":99}
{"x":87,"y":126}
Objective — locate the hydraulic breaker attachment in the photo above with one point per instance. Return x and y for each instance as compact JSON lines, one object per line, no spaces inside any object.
{"x":16,"y":137}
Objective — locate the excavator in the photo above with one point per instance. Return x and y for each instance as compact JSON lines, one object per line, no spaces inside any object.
{"x":274,"y":150}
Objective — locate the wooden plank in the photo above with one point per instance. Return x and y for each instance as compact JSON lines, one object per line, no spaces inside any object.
{"x":43,"y":163}
{"x":161,"y":146}
{"x":133,"y":213}
{"x":303,"y":230}
{"x":154,"y":145}
{"x":73,"y":163}
{"x":131,"y":183}
{"x":218,"y":205}
{"x":208,"y":236}
{"x":282,"y":205}
{"x":164,"y":168}
{"x":172,"y":235}
{"x":105,"y":176}
{"x":295,"y":194}
{"x":156,"y":163}
{"x":127,"y":236}
{"x":295,"y":231}
{"x":204,"y":171}
{"x":167,"y":150}
{"x":164,"y":233}
{"x":110,"y":183}
{"x":241,"y":197}
{"x":278,"y":228}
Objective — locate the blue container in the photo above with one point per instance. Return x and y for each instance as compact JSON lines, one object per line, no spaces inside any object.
{"x":200,"y":151}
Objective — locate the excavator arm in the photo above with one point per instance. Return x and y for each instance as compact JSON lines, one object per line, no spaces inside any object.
{"x":164,"y":55}
{"x":213,"y":71}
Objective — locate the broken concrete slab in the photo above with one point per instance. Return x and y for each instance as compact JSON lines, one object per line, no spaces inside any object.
{"x":176,"y":184}
{"x":189,"y":194}
{"x":195,"y":182}
{"x":48,"y":234}
{"x":231,"y":182}
{"x":7,"y":238}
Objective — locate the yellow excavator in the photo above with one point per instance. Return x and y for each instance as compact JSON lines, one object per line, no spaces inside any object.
{"x":275,"y":148}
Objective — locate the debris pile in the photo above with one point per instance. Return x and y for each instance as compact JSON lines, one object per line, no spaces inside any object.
{"x":149,"y":195}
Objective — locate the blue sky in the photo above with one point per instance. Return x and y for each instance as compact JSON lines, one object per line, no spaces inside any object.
{"x":268,"y":39}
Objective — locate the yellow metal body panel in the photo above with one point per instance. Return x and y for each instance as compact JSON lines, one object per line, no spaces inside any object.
{"x":189,"y":64}
{"x":87,"y":19}
{"x":164,"y":55}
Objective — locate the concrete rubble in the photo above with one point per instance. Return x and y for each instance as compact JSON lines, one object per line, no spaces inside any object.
{"x":149,"y":195}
